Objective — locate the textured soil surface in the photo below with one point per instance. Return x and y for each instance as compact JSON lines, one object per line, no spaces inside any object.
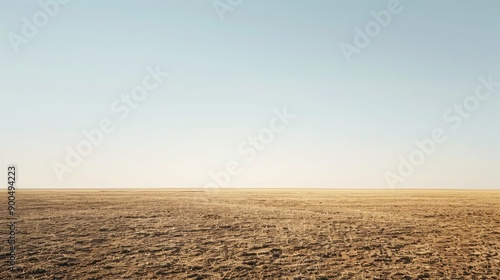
{"x":255,"y":234}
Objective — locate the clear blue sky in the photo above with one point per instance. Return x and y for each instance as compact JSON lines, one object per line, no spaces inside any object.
{"x":226,"y":77}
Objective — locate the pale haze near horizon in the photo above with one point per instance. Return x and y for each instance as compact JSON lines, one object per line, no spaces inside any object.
{"x":353,"y":119}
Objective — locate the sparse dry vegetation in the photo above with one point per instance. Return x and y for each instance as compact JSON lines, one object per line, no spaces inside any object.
{"x":257,"y":234}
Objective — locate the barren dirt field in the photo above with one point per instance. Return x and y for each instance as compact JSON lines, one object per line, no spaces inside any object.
{"x":255,"y":234}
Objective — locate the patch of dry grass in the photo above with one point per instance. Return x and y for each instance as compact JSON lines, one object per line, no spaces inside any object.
{"x":257,"y":234}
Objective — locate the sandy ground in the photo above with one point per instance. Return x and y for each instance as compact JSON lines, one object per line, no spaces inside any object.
{"x":256,"y":234}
